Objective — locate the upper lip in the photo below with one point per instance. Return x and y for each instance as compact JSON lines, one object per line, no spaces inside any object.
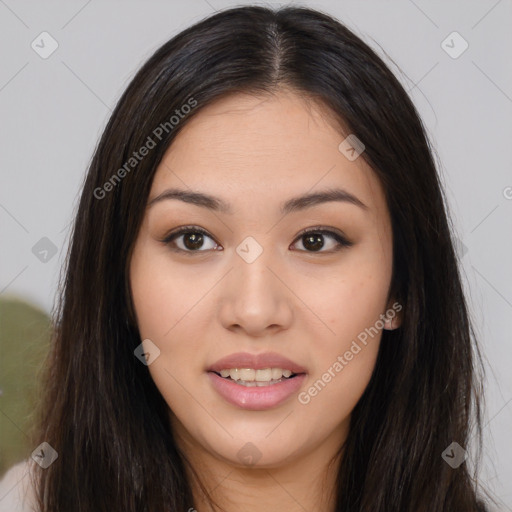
{"x":256,"y":361}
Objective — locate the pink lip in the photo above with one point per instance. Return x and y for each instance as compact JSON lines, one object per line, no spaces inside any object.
{"x":256,"y":361}
{"x":256,"y":398}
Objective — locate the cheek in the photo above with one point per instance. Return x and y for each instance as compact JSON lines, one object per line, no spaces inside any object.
{"x":349,"y":301}
{"x":168,"y":308}
{"x":349,"y":304}
{"x":330,"y":395}
{"x":343,"y":358}
{"x":161,"y":295}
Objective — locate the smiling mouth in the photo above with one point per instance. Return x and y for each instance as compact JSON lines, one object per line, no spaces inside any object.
{"x":250,"y":377}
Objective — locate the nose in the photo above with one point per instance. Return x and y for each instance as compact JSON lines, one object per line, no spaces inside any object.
{"x":256,"y":298}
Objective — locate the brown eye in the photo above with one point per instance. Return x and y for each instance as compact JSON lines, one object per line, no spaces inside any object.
{"x":313,"y":240}
{"x":193,"y":240}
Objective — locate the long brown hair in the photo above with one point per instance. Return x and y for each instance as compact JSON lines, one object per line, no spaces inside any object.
{"x":101,"y":410}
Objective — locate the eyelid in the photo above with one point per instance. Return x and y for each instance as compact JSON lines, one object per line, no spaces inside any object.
{"x":337,"y":235}
{"x":185,"y":229}
{"x":175,"y":233}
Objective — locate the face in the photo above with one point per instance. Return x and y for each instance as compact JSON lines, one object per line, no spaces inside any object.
{"x":242,"y":287}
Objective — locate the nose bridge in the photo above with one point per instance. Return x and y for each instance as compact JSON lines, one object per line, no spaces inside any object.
{"x":252,"y":262}
{"x":256,"y":298}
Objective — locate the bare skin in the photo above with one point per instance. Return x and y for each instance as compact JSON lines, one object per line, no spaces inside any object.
{"x":202,"y":304}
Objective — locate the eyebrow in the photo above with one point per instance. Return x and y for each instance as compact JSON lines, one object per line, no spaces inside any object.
{"x":291,"y":205}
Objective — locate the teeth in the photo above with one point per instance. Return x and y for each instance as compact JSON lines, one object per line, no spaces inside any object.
{"x":249,"y":375}
{"x":252,"y":384}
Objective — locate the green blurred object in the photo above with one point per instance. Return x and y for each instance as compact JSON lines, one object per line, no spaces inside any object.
{"x":24,"y":342}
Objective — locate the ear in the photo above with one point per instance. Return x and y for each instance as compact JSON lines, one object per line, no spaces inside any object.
{"x":393,"y":316}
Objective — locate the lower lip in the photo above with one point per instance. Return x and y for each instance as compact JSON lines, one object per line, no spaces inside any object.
{"x":256,"y":398}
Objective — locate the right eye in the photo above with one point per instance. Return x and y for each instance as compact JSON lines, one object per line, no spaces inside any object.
{"x":193,"y":238}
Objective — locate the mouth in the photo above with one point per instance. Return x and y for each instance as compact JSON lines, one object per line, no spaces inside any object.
{"x":251,"y":377}
{"x":256,"y":381}
{"x":254,"y":391}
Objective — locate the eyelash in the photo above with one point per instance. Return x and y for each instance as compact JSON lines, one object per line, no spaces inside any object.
{"x":342,"y":241}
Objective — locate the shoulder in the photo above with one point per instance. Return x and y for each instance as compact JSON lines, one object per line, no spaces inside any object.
{"x":16,"y":491}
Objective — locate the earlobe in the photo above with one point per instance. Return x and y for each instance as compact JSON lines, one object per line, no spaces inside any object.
{"x":390,"y":324}
{"x":393,"y":317}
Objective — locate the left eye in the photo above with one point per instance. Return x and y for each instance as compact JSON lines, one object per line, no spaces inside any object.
{"x":314,"y":239}
{"x":193,"y":239}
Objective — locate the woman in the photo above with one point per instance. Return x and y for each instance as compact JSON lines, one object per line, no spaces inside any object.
{"x":262,"y":306}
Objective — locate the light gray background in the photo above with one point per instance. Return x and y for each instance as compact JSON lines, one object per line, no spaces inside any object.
{"x":53,"y":110}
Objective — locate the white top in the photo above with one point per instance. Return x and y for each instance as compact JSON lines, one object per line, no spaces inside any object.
{"x":16,"y":492}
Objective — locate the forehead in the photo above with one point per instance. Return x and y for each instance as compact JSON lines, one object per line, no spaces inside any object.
{"x":266,"y":147}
